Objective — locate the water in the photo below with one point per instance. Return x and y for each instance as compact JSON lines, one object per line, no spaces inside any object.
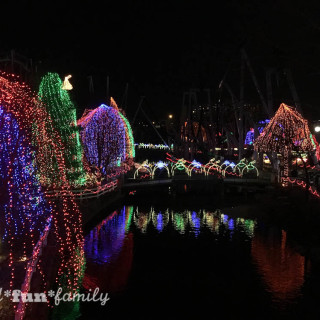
{"x":160,"y":263}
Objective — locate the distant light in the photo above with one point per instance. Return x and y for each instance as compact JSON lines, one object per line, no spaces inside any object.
{"x":170,"y":116}
{"x":317,"y":129}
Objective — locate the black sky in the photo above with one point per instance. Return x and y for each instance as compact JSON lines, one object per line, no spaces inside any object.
{"x":163,"y":48}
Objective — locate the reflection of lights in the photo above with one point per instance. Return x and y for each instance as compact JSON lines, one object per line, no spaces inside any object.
{"x":231,"y":224}
{"x":195,"y":222}
{"x":159,"y":222}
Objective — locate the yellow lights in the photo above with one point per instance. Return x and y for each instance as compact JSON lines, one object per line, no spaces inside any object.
{"x":66,"y":84}
{"x":170,"y":116}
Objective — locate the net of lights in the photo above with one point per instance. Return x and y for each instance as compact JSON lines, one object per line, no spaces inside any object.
{"x":54,"y":95}
{"x":103,"y":136}
{"x":29,"y":141}
{"x":287,"y":131}
{"x":130,"y":151}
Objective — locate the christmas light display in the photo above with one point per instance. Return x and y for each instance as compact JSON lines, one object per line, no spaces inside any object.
{"x":103,"y":136}
{"x":53,"y":94}
{"x":130,"y":152}
{"x":25,"y":119}
{"x":249,"y":140}
{"x":22,"y":203}
{"x":151,"y":146}
{"x":287,"y":131}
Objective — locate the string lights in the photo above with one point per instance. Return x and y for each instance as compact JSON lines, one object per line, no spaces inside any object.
{"x":287,"y":131}
{"x":29,"y":142}
{"x":107,"y":138}
{"x":54,"y":95}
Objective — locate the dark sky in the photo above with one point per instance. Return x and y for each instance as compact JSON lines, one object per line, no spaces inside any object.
{"x":163,"y":48}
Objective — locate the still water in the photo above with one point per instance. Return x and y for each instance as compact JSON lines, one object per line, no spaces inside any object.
{"x":159,"y":263}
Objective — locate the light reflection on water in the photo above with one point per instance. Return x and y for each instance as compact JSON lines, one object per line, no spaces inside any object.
{"x":109,"y":247}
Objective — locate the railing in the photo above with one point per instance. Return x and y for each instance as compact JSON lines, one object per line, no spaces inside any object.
{"x":87,"y":193}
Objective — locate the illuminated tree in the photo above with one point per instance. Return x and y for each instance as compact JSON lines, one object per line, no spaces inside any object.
{"x":64,"y":119}
{"x":103,"y":136}
{"x":287,"y":131}
{"x":130,"y":151}
{"x":26,"y":147}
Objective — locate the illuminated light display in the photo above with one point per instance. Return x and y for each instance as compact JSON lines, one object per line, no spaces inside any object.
{"x":250,"y":167}
{"x":66,"y":84}
{"x":287,"y":131}
{"x":160,"y":165}
{"x":34,"y":124}
{"x":23,"y":205}
{"x":180,"y":165}
{"x":144,"y":167}
{"x":213,"y":164}
{"x":103,"y":136}
{"x":151,"y":146}
{"x":249,"y":140}
{"x":64,"y":118}
{"x":130,"y":151}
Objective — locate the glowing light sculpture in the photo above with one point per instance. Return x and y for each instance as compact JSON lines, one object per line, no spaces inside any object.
{"x":53,"y":94}
{"x":213,"y":164}
{"x":194,"y":166}
{"x":103,"y":136}
{"x":160,"y":165}
{"x":249,"y":168}
{"x":179,"y":165}
{"x":143,"y":167}
{"x":240,"y":166}
{"x":286,"y":131}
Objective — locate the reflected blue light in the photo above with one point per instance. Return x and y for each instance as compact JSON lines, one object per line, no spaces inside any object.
{"x":231,"y":224}
{"x":195,"y":223}
{"x":160,"y":222}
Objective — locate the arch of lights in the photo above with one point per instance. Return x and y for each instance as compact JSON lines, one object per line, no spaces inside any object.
{"x":160,"y":165}
{"x":240,"y":166}
{"x":226,"y":167}
{"x":250,"y":167}
{"x":143,"y":167}
{"x":194,"y":166}
{"x":213,"y":164}
{"x":179,"y":165}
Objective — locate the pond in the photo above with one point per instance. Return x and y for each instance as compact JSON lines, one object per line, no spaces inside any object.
{"x":157,"y":262}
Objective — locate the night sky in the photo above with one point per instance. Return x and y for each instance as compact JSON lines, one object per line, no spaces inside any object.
{"x":163,"y":48}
